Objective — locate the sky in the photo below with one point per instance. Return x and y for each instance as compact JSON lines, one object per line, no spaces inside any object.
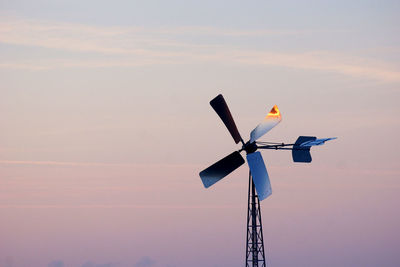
{"x":105,"y":124}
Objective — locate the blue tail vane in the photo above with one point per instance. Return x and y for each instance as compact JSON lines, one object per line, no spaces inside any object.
{"x":316,"y":142}
{"x":259,"y":174}
{"x":302,"y":153}
{"x":301,"y":149}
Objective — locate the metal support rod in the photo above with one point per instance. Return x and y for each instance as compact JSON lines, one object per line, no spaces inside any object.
{"x":277,"y":146}
{"x":281,"y":146}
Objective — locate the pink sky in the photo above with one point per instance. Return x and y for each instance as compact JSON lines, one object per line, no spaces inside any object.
{"x":105,"y":124}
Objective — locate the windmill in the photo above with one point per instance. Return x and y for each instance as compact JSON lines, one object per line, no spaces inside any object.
{"x":259,"y":184}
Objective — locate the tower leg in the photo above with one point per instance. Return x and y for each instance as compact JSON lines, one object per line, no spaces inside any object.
{"x":255,"y":255}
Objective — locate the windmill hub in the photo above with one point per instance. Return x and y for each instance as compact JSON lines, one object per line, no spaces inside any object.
{"x":249,"y":147}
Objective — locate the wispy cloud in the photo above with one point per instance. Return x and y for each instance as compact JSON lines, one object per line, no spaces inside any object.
{"x":71,"y":163}
{"x":93,"y":264}
{"x":138,"y":46}
{"x":57,"y":163}
{"x":56,"y":263}
{"x":326,"y":61}
{"x":122,"y":206}
{"x":144,"y":262}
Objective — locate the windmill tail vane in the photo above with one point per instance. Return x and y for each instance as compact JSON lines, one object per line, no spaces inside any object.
{"x":259,"y":183}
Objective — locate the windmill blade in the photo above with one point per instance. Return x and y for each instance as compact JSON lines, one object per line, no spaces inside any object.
{"x":259,"y":174}
{"x":220,"y":169}
{"x":220,"y":106}
{"x":270,"y":121}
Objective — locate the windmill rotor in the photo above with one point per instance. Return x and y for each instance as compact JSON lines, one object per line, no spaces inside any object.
{"x":217,"y":171}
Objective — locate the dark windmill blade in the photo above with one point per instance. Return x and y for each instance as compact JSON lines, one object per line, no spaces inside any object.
{"x":220,"y":106}
{"x":220,"y":169}
{"x":259,"y":174}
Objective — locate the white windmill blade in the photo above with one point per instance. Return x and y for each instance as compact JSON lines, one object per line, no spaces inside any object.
{"x":316,"y":142}
{"x":259,"y":174}
{"x":269,"y":122}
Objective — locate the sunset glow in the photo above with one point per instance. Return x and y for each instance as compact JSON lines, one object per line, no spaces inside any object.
{"x":274,"y":112}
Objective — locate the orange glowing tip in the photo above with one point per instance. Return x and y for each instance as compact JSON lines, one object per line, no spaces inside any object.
{"x":274,"y":112}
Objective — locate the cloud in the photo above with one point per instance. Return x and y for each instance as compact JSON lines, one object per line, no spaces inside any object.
{"x":57,"y":163}
{"x":139,"y":46}
{"x":71,"y":163}
{"x":111,"y":206}
{"x":145,"y":262}
{"x":8,"y":262}
{"x":325,"y":61}
{"x":56,"y":263}
{"x":92,"y":264}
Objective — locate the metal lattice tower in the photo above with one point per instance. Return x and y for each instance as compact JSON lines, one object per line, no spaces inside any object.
{"x":255,"y":255}
{"x":258,"y":176}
